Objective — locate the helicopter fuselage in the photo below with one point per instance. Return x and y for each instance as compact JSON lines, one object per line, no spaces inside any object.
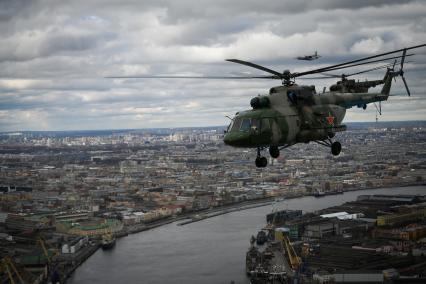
{"x":294,"y":114}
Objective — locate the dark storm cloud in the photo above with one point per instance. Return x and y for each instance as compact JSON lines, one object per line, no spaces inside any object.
{"x":10,"y":9}
{"x":49,"y":45}
{"x":73,"y":43}
{"x":187,"y":9}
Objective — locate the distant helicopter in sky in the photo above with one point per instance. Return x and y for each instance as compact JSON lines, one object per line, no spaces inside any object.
{"x":309,"y":57}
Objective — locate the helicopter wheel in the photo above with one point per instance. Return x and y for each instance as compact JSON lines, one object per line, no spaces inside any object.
{"x":274,"y":151}
{"x":261,"y":162}
{"x":336,"y":147}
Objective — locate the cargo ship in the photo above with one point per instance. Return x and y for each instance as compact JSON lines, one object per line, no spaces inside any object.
{"x":275,"y":261}
{"x":271,"y":257}
{"x":108,"y":241}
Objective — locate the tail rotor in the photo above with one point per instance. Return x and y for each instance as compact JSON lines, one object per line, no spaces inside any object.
{"x":401,"y":72}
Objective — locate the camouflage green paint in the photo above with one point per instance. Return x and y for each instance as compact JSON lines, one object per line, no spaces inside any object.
{"x":298,"y":114}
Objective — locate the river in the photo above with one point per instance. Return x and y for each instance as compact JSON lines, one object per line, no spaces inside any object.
{"x":209,"y":251}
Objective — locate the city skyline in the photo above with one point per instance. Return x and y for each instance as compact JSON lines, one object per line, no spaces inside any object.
{"x":54,"y":58}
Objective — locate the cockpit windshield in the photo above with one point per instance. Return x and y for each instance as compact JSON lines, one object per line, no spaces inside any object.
{"x":245,"y":125}
{"x":235,"y":124}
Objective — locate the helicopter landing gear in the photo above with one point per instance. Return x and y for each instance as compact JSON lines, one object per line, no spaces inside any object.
{"x":336,"y":147}
{"x":260,"y":162}
{"x":274,"y":151}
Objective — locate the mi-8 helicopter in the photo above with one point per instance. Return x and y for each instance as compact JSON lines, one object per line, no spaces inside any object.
{"x":292,"y":114}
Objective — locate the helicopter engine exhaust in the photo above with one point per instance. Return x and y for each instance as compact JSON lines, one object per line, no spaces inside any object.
{"x":260,"y":102}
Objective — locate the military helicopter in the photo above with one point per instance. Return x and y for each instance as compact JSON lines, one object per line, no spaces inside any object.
{"x":292,"y":114}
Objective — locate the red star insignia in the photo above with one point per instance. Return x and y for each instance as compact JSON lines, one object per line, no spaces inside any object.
{"x":330,"y":119}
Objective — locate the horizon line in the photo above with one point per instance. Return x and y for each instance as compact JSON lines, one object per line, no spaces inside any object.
{"x":181,"y":127}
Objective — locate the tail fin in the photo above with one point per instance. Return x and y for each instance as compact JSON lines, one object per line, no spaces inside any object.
{"x":387,"y":80}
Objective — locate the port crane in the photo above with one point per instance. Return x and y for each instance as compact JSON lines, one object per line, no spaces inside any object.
{"x":281,"y":234}
{"x":42,"y":244}
{"x":13,"y":272}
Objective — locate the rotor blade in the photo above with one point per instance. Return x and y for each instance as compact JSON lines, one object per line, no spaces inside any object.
{"x":369,"y":70}
{"x":318,"y":78}
{"x":331,"y":75}
{"x":331,"y":67}
{"x":377,"y":68}
{"x":406,"y":86}
{"x":360,"y":72}
{"x":403,"y":58}
{"x":346,"y":66}
{"x":192,"y":77}
{"x":256,"y":66}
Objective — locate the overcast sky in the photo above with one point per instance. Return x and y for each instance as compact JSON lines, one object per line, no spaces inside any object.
{"x":54,"y":57}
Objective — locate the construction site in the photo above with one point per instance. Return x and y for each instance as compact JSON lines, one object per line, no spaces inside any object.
{"x":374,"y":239}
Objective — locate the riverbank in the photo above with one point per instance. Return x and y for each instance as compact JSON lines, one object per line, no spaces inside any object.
{"x":199,"y":215}
{"x":198,"y":218}
{"x":204,"y":214}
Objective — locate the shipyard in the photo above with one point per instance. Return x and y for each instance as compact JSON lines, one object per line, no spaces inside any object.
{"x":373,"y":239}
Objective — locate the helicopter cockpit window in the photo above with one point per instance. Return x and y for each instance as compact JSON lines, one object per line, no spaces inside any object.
{"x":292,"y":97}
{"x":245,"y":125}
{"x":235,"y":124}
{"x":230,"y":126}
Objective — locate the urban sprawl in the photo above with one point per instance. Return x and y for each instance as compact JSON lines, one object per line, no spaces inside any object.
{"x":61,"y":192}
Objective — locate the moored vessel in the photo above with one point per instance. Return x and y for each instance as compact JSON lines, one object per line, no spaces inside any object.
{"x":108,"y":241}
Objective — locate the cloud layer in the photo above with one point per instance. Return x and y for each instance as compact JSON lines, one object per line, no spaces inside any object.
{"x":54,"y":57}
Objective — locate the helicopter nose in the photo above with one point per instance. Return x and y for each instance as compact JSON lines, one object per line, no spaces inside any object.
{"x":236,"y":139}
{"x":227,"y":139}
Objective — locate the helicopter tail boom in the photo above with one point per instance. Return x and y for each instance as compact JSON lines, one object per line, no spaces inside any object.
{"x":387,"y":80}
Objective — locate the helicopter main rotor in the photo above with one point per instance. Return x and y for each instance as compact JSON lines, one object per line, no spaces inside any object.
{"x":287,"y":77}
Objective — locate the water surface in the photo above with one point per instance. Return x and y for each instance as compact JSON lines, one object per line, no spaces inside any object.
{"x":209,"y":251}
